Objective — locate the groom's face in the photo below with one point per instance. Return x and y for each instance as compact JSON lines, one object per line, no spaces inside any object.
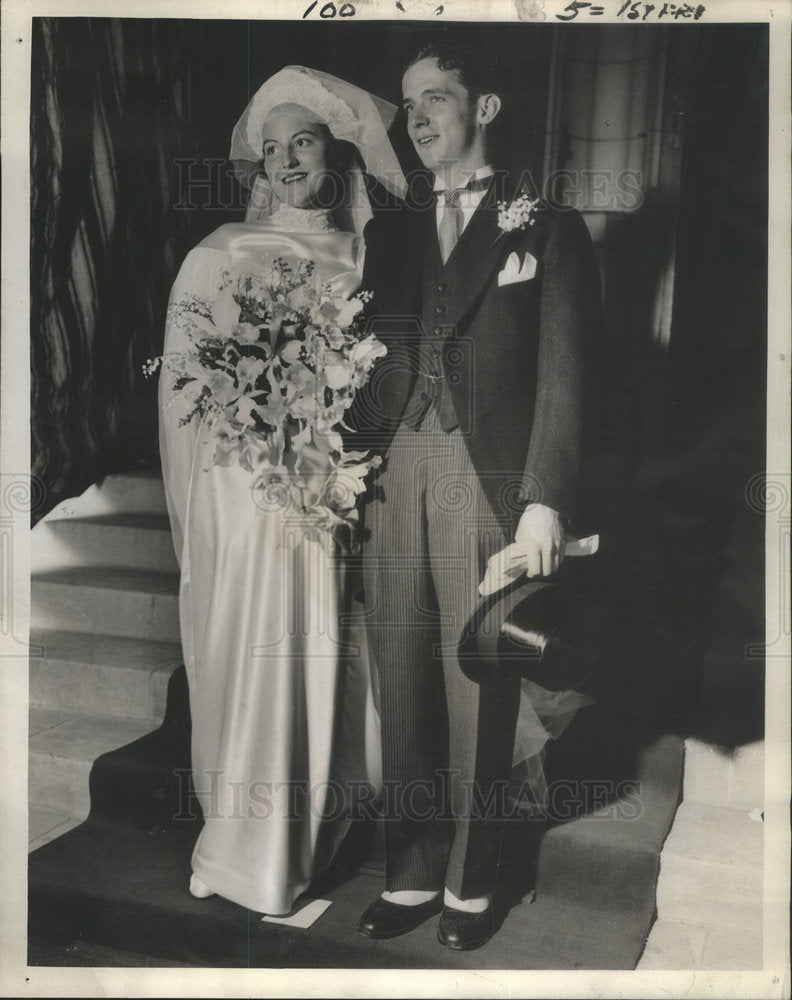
{"x":441,"y":117}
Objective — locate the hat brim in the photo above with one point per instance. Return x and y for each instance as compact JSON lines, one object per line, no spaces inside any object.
{"x":538,"y":630}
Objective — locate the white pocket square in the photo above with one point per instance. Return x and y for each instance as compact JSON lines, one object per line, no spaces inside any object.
{"x":513,"y":271}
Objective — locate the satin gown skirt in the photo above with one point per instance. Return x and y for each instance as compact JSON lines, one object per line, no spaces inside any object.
{"x":285,"y":735}
{"x":282,"y":694}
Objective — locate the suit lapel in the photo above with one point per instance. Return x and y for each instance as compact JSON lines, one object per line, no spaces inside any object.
{"x":425,"y":255}
{"x":473,"y":259}
{"x":430,"y":245}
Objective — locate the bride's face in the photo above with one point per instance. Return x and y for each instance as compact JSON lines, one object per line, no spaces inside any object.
{"x":294,"y":160}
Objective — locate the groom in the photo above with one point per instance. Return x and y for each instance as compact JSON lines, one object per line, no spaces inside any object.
{"x":479,"y":410}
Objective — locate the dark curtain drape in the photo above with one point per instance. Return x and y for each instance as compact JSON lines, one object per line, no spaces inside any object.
{"x":107,"y":99}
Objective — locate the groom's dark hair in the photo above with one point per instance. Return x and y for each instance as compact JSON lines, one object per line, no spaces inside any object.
{"x":478,"y":70}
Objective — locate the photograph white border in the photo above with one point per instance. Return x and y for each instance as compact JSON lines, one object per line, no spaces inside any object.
{"x":16,"y":979}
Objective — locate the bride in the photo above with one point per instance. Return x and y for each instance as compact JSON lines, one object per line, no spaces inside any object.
{"x":282,"y":696}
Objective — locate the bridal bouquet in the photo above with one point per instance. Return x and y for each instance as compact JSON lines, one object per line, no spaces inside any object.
{"x":272,"y":364}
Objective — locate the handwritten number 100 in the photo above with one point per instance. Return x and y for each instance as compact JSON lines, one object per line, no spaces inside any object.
{"x":329,"y":10}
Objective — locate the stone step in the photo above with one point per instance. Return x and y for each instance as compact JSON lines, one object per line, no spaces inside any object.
{"x":711,"y":869}
{"x":139,"y":492}
{"x":119,"y":887}
{"x":102,"y":674}
{"x":111,"y":878}
{"x":134,"y":540}
{"x":46,"y":824}
{"x":678,"y":945}
{"x":82,"y":954}
{"x":61,"y":750}
{"x":107,"y":600}
{"x":733,"y":778}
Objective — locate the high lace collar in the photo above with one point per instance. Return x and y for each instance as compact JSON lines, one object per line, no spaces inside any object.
{"x":304,"y":220}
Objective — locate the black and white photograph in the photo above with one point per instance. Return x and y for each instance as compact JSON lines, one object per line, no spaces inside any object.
{"x":396,"y":499}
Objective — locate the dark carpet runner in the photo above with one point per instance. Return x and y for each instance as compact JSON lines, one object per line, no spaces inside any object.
{"x":120,"y":880}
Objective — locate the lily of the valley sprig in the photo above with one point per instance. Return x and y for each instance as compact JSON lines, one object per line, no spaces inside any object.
{"x":517,"y":215}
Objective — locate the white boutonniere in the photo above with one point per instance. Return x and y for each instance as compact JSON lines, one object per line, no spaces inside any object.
{"x":518,"y":214}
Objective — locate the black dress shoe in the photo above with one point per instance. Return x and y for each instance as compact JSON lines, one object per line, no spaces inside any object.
{"x":464,"y":931}
{"x":384,"y":919}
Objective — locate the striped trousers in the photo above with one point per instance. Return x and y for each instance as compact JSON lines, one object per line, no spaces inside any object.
{"x":447,"y":742}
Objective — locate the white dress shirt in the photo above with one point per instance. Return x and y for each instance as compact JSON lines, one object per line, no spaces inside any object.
{"x":468,"y":200}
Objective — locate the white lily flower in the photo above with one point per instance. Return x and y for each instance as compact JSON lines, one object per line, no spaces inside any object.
{"x":247,"y":333}
{"x":220,"y":386}
{"x":337,"y":370}
{"x":248,"y":371}
{"x":290,"y":351}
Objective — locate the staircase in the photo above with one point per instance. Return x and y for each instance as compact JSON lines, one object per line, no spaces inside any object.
{"x":105,"y":621}
{"x":710,"y":889}
{"x":709,"y":893}
{"x":104,"y":638}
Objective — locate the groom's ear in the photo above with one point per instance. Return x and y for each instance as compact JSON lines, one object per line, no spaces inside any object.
{"x":487,"y":107}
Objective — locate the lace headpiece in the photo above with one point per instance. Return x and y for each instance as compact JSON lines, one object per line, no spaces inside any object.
{"x":307,"y":92}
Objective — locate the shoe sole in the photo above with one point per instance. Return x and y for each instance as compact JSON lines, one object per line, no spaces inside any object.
{"x":465,"y":947}
{"x":386,"y":935}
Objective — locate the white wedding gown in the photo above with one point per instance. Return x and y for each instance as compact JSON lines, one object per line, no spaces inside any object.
{"x":282,"y":695}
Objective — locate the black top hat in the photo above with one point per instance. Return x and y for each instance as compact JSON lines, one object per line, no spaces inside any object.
{"x":538,"y":630}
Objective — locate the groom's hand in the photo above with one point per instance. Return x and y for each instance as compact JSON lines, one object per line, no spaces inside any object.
{"x":540,"y":534}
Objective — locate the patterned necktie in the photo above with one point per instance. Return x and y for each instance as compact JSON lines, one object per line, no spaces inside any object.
{"x":451,"y":222}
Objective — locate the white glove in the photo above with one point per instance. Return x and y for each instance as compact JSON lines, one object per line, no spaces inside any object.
{"x":505,"y":566}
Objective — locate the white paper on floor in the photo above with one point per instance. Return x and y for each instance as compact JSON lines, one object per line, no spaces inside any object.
{"x":304,"y":917}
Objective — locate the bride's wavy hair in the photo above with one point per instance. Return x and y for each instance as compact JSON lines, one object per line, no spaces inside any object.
{"x":341,"y":159}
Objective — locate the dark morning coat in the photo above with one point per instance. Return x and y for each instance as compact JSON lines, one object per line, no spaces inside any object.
{"x":516,"y":357}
